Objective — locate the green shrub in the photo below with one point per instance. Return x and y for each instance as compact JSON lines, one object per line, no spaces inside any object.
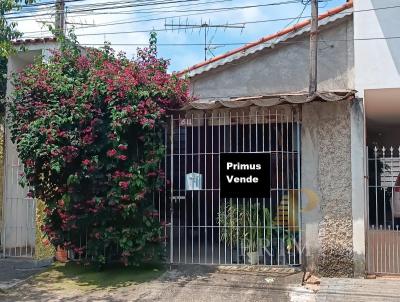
{"x":89,"y":130}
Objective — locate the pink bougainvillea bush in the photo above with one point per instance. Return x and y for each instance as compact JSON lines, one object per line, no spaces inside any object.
{"x":88,"y":125}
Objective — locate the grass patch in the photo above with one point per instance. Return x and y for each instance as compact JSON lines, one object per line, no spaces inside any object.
{"x":75,"y":276}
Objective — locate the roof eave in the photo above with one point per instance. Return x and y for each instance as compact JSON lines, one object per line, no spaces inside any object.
{"x":299,"y":28}
{"x":35,"y":41}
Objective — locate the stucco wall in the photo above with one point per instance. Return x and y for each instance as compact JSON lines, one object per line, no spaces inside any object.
{"x":326,"y":170}
{"x":284,"y":68}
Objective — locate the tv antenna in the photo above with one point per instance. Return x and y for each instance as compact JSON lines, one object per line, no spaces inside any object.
{"x":203,"y":26}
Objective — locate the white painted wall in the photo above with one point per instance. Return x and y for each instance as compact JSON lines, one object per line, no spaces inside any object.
{"x":376,"y":66}
{"x":18,"y":229}
{"x":377,"y":62}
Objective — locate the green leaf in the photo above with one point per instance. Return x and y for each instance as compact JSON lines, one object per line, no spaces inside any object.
{"x":55,"y":166}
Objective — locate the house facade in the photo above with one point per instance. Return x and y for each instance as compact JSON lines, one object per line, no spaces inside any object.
{"x":268,"y":81}
{"x":330,"y":204}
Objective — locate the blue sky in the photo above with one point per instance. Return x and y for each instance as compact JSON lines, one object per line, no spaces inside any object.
{"x":134,"y":19}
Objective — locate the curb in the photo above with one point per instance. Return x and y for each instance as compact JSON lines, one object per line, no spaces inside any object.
{"x":6,"y":288}
{"x":37,"y":265}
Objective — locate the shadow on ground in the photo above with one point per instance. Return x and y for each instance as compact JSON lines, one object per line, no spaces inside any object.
{"x":90,"y":277}
{"x":157,"y":283}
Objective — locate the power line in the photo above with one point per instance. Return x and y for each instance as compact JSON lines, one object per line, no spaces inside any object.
{"x":253,"y":22}
{"x":158,"y":3}
{"x":233,"y":24}
{"x":157,"y":10}
{"x":164,"y":18}
{"x":213,"y":10}
{"x":41,"y":4}
{"x":218,"y":10}
{"x":154,"y":12}
{"x":114,"y":5}
{"x":37,"y":6}
{"x":48,"y":3}
{"x":158,"y":29}
{"x":242,"y":7}
{"x":243,"y":43}
{"x":130,"y":12}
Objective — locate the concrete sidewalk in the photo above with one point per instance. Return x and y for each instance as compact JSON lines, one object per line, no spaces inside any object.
{"x":358,"y":290}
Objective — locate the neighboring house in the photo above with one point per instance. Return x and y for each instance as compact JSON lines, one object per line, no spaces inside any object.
{"x":322,"y":212}
{"x":377,"y":81}
{"x":17,"y":221}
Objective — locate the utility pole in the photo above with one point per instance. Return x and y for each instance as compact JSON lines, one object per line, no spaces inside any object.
{"x":60,"y":16}
{"x":313,"y":48}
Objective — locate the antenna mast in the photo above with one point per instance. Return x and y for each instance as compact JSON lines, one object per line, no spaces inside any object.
{"x":202,"y":26}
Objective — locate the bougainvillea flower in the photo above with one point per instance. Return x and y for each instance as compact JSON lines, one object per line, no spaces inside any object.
{"x":124,"y":184}
{"x":73,"y":131}
{"x":111,"y":153}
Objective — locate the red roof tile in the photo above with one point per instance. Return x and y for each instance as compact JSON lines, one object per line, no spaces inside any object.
{"x":35,"y":41}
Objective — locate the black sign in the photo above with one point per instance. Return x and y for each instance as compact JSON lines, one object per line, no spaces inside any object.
{"x":244,"y":175}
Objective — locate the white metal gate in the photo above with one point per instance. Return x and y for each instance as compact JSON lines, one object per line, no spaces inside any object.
{"x":18,"y":227}
{"x":383,"y":233}
{"x":201,"y":227}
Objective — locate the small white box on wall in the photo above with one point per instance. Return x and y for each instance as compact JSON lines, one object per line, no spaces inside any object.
{"x":193,"y":181}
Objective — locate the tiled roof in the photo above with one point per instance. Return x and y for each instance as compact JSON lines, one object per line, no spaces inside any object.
{"x":35,"y":41}
{"x":244,"y":50}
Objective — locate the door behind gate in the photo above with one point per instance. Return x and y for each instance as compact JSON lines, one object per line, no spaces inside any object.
{"x":203,"y":228}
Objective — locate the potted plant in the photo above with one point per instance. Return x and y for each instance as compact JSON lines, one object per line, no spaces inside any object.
{"x":251,"y":243}
{"x":245,"y":225}
{"x":61,"y":254}
{"x":229,"y":219}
